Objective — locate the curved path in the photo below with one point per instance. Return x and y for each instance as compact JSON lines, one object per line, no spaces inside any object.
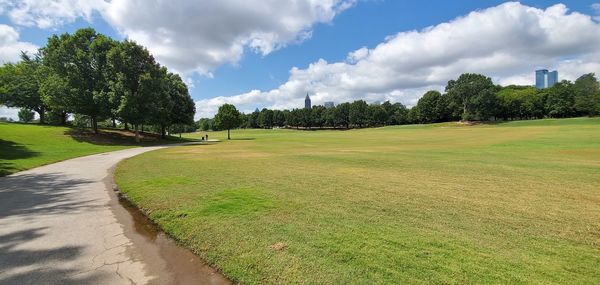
{"x":62,"y":224}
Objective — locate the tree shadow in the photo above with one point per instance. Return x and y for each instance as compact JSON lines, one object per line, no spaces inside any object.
{"x":34,"y":194}
{"x":24,"y":259}
{"x":10,"y":150}
{"x":242,"y":139}
{"x":121,"y":137}
{"x":30,"y":266}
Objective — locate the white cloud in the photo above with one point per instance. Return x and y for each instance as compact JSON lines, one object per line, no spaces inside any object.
{"x":507,"y":42}
{"x":46,"y":14}
{"x":189,"y":36}
{"x":11,"y":113}
{"x":201,"y":35}
{"x":11,"y":47}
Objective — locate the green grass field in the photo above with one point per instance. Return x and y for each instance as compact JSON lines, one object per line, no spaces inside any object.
{"x":24,"y":146}
{"x":510,"y":203}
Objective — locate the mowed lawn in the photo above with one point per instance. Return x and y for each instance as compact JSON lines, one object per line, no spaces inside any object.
{"x":24,"y":146}
{"x":507,"y":203}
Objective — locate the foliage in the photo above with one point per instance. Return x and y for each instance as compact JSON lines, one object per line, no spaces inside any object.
{"x":587,"y":95}
{"x":428,"y":108}
{"x":89,"y":74}
{"x":470,"y":97}
{"x":20,"y":85}
{"x":227,"y":118}
{"x":359,"y":113}
{"x":560,"y":100}
{"x":25,"y":115}
{"x":472,"y":92}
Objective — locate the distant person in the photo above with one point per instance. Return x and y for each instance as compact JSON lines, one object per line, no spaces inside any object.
{"x":206,"y":137}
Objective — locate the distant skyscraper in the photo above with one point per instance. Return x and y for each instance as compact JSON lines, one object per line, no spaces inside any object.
{"x":307,"y":104}
{"x":545,"y":79}
{"x":552,"y":78}
{"x":329,"y":104}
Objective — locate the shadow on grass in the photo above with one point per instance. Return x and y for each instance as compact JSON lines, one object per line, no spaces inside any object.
{"x":10,"y":150}
{"x":241,"y":139}
{"x":122,"y":138}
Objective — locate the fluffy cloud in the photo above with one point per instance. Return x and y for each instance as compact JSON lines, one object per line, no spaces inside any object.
{"x":189,"y":36}
{"x":49,"y":13}
{"x":11,"y":47}
{"x":507,"y":42}
{"x":201,"y":35}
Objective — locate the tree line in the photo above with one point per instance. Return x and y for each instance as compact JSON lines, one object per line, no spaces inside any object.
{"x":471,"y":97}
{"x":87,"y":74}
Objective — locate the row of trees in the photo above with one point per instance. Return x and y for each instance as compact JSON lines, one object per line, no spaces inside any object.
{"x":470,"y":97}
{"x":89,"y":74}
{"x":474,"y":97}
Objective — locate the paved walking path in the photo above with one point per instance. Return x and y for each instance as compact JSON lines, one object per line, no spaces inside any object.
{"x":60,"y":224}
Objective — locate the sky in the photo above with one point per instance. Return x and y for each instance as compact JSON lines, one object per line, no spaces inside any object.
{"x":271,"y":53}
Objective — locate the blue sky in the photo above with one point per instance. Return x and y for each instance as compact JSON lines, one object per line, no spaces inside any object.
{"x":340,"y":31}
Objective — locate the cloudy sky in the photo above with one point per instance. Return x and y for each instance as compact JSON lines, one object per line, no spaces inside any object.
{"x":270,"y":53}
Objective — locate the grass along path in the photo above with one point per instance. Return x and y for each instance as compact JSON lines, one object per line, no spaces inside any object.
{"x":24,"y":146}
{"x":509,"y":203}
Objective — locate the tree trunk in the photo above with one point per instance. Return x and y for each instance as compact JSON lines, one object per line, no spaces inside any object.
{"x":162,"y":132}
{"x":95,"y":125}
{"x":42,"y":112}
{"x":114,"y":123}
{"x":228,"y":137}
{"x":126,"y":126}
{"x":63,"y":118}
{"x":137,"y":134}
{"x":142,"y":128}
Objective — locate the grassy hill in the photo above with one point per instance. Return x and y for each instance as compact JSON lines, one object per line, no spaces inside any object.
{"x":503,"y":203}
{"x":24,"y":146}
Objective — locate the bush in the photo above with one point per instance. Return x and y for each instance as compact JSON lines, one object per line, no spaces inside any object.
{"x":26,"y":115}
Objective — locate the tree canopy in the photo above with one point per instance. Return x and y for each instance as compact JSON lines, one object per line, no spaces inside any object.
{"x":91,"y":75}
{"x":227,"y":118}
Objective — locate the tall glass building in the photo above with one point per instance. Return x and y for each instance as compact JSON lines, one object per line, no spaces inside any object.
{"x":545,"y":79}
{"x":552,"y":78}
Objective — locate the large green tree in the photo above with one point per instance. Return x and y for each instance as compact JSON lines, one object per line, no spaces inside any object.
{"x":183,"y":106}
{"x":56,"y":94}
{"x":359,"y":113}
{"x":378,"y":115}
{"x":560,"y":100}
{"x":227,"y":118}
{"x":317,"y":114}
{"x":587,"y":95}
{"x":265,"y":118}
{"x":20,"y":85}
{"x":473,"y":93}
{"x":137,"y":83}
{"x":428,"y":108}
{"x":341,"y":115}
{"x":81,"y":59}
